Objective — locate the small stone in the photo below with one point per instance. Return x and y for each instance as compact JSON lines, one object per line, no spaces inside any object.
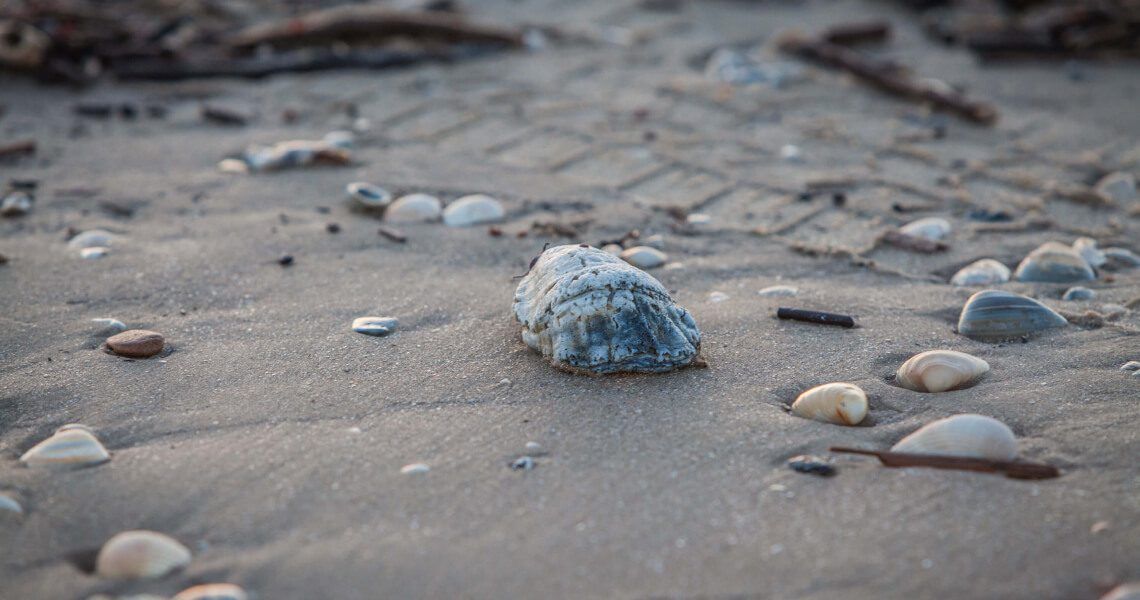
{"x":8,"y":504}
{"x":1118,"y":186}
{"x":614,"y":249}
{"x":718,"y":296}
{"x":522,"y":463}
{"x":285,"y":260}
{"x":778,"y":291}
{"x":109,"y":326}
{"x":16,"y":204}
{"x":1131,"y":365}
{"x":136,"y":343}
{"x":535,"y":447}
{"x":475,"y":209}
{"x":377,"y":326}
{"x":644,"y":257}
{"x":414,"y":208}
{"x":791,"y":153}
{"x":92,"y":238}
{"x":930,"y":228}
{"x":368,"y":196}
{"x":1078,"y":293}
{"x":814,"y":465}
{"x":415,"y":469}
{"x":332,"y":228}
{"x":94,"y":252}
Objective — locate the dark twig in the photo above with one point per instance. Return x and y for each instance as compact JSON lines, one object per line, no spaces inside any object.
{"x":850,"y":34}
{"x":813,"y":316}
{"x":393,"y":234}
{"x":18,"y":148}
{"x":1012,"y":469}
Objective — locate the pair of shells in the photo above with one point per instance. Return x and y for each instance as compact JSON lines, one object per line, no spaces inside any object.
{"x":839,"y":403}
{"x":588,"y":311}
{"x":994,"y":315}
{"x":940,"y":371}
{"x":140,"y":554}
{"x":1053,"y":262}
{"x":72,"y":446}
{"x":967,"y":436}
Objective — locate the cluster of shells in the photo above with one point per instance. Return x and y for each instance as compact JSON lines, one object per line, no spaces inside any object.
{"x":466,"y":211}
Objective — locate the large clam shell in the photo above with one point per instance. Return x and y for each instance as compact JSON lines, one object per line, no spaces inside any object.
{"x":994,"y":315}
{"x":986,"y":271}
{"x":940,"y":370}
{"x":589,"y":311}
{"x":67,"y":448}
{"x":969,"y":436}
{"x":140,"y":554}
{"x":839,"y":403}
{"x":1053,"y":262}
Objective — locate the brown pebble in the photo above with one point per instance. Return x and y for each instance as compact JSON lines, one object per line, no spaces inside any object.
{"x":136,"y":343}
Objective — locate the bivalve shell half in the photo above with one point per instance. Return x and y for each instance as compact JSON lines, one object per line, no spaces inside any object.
{"x":644,"y":257}
{"x":69,"y":448}
{"x":377,"y":326}
{"x":839,"y":403}
{"x":140,"y":554}
{"x":968,"y":436}
{"x":940,"y":371}
{"x":931,"y":228}
{"x":986,"y":271}
{"x":1124,"y":591}
{"x":212,"y":591}
{"x":994,"y":315}
{"x":414,"y":208}
{"x":8,"y":504}
{"x":92,"y":238}
{"x":475,"y":209}
{"x":1053,"y":262}
{"x":368,"y":196}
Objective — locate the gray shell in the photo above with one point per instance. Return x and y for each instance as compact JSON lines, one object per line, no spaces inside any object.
{"x":994,"y":315}
{"x":589,"y":311}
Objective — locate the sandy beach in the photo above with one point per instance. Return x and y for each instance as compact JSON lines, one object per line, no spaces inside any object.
{"x":269,"y":437}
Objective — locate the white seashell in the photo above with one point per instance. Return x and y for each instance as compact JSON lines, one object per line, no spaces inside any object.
{"x":16,"y":204}
{"x":414,"y":208}
{"x":931,"y":228}
{"x":1131,"y":365}
{"x":70,"y":448}
{"x":415,"y":469}
{"x":375,"y":325}
{"x":367,"y":195}
{"x":294,"y":153}
{"x":718,"y":296}
{"x":1053,"y":262}
{"x":1118,"y":186}
{"x":92,"y":238}
{"x":140,"y":554}
{"x":614,"y":249}
{"x":969,"y":436}
{"x":791,"y":153}
{"x":475,"y":209}
{"x":940,"y":370}
{"x":1124,"y":591}
{"x":212,"y":591}
{"x":839,"y":403}
{"x":108,"y":326}
{"x":698,"y":219}
{"x":9,"y":504}
{"x":233,"y":166}
{"x":1123,"y":256}
{"x":93,"y":253}
{"x":644,"y":257}
{"x":588,"y":311}
{"x":986,"y":271}
{"x":1086,"y":247}
{"x":654,"y":241}
{"x":778,"y":291}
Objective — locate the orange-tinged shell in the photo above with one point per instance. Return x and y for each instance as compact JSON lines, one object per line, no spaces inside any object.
{"x":940,"y":371}
{"x":839,"y":403}
{"x":212,"y":591}
{"x":968,"y":436}
{"x":140,"y":554}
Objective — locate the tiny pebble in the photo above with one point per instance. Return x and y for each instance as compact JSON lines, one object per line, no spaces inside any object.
{"x":698,"y":219}
{"x":415,"y":469}
{"x":791,"y":153}
{"x":522,"y":463}
{"x":1078,"y":293}
{"x":332,"y":228}
{"x":136,"y":343}
{"x":377,"y":326}
{"x":533,"y":447}
{"x":286,"y":260}
{"x":644,"y":257}
{"x":813,"y":465}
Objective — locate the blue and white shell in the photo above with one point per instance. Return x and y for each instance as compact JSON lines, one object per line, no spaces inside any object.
{"x":588,"y":311}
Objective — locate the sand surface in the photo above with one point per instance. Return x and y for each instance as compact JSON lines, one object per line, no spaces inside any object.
{"x":270,"y":437}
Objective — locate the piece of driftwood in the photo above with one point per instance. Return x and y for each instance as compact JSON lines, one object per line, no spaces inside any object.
{"x":887,"y":77}
{"x":393,"y":234}
{"x":18,"y":148}
{"x":863,"y":32}
{"x":815,"y":316}
{"x":1012,"y":469}
{"x":289,"y":62}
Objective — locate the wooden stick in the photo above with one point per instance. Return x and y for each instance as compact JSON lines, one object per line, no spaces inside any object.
{"x":18,"y":148}
{"x":849,"y":34}
{"x":1012,"y":469}
{"x":814,"y":316}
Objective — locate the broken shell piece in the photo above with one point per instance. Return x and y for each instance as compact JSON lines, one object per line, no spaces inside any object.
{"x":212,"y":591}
{"x":931,"y":228}
{"x":644,"y":257}
{"x":8,"y":504}
{"x":75,"y":427}
{"x":16,"y":204}
{"x":475,"y":209}
{"x":1118,"y":186}
{"x":1086,"y":247}
{"x":377,"y":326}
{"x":136,"y":343}
{"x":1078,"y":293}
{"x":969,"y":436}
{"x":415,"y":469}
{"x":367,"y":195}
{"x":72,"y":448}
{"x":414,"y":208}
{"x":1053,"y":262}
{"x":108,"y":326}
{"x":986,"y":271}
{"x":778,"y":291}
{"x":812,"y":465}
{"x":140,"y":554}
{"x":941,"y":370}
{"x":94,"y":252}
{"x":839,"y":403}
{"x":1131,"y":365}
{"x":994,"y":315}
{"x":92,"y":238}
{"x":294,"y":153}
{"x":1124,"y":591}
{"x":588,"y":311}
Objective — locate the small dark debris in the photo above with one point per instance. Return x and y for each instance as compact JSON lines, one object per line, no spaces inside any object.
{"x":815,"y":316}
{"x":286,"y":260}
{"x":522,"y":463}
{"x":812,"y":465}
{"x":222,"y":115}
{"x":804,"y":197}
{"x":839,"y":199}
{"x":324,"y":210}
{"x":3,"y":259}
{"x":986,"y":215}
{"x":332,"y":228}
{"x":494,"y":231}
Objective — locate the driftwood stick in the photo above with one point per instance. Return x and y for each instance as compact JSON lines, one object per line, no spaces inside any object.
{"x":815,"y":316}
{"x":1012,"y":469}
{"x":849,"y":34}
{"x":18,"y":148}
{"x":887,"y":77}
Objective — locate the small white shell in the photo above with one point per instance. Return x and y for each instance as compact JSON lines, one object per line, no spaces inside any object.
{"x":233,"y":166}
{"x":75,"y":426}
{"x":92,"y":238}
{"x":95,"y":252}
{"x":1118,"y":186}
{"x":778,"y":291}
{"x":212,"y":591}
{"x":375,"y":325}
{"x":931,"y":228}
{"x":839,"y":403}
{"x":986,"y":271}
{"x":414,"y":208}
{"x":368,"y":195}
{"x":1086,"y":247}
{"x":970,"y":436}
{"x":644,"y":257}
{"x":654,"y":241}
{"x":67,"y":449}
{"x":415,"y":469}
{"x":940,"y":370}
{"x":9,"y":504}
{"x":475,"y":209}
{"x":140,"y":554}
{"x":109,"y":326}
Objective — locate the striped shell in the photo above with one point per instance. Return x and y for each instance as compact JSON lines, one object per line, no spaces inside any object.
{"x":140,"y":554}
{"x":1053,"y":262}
{"x":969,"y":436}
{"x":940,"y":371}
{"x":839,"y":403}
{"x":994,"y":315}
{"x":588,"y":311}
{"x":68,"y":448}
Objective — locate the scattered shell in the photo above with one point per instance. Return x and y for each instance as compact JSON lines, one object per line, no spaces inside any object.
{"x":1086,"y":247}
{"x":75,"y":427}
{"x":367,"y":195}
{"x":92,"y":238}
{"x":136,"y":343}
{"x":414,"y":208}
{"x":94,"y":252}
{"x":1118,"y":186}
{"x":212,"y":591}
{"x":614,"y":249}
{"x":375,"y":325}
{"x":1131,"y":365}
{"x":994,"y":315}
{"x":522,"y":463}
{"x":9,"y":504}
{"x":233,"y":165}
{"x":930,"y":228}
{"x":941,"y":370}
{"x":1053,"y":262}
{"x":813,"y":465}
{"x":778,"y":291}
{"x":71,"y":448}
{"x":791,"y":153}
{"x":16,"y":204}
{"x":1124,"y":256}
{"x":654,"y":241}
{"x":294,"y":153}
{"x":533,"y":447}
{"x":839,"y":403}
{"x":970,"y":436}
{"x":698,"y":219}
{"x":644,"y":257}
{"x":736,"y":67}
{"x":1078,"y":293}
{"x":415,"y":469}
{"x":986,"y":271}
{"x":718,"y":296}
{"x":140,"y":554}
{"x":109,"y":326}
{"x":1124,"y":591}
{"x":475,"y":209}
{"x":586,"y":310}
